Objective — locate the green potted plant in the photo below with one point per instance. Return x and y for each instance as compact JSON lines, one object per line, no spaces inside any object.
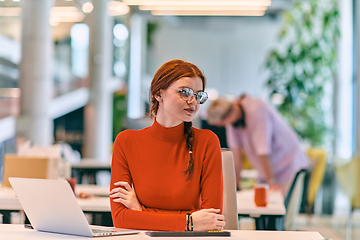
{"x":303,"y":67}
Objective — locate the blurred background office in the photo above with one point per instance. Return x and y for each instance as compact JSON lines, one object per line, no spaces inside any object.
{"x":78,"y":72}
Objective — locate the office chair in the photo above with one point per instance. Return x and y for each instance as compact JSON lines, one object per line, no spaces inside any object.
{"x":292,"y":204}
{"x":229,"y":194}
{"x":317,"y":158}
{"x":348,"y":175}
{"x":293,"y":200}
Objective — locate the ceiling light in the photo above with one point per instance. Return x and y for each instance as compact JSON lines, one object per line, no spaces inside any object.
{"x":64,"y":9}
{"x":209,"y":13}
{"x":201,"y":2}
{"x":87,"y":7}
{"x":75,"y":17}
{"x":121,"y":32}
{"x":65,"y":14}
{"x":200,"y":8}
{"x":117,"y":8}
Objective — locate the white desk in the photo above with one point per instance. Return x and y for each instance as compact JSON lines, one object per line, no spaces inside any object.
{"x":89,"y":167}
{"x":89,"y":163}
{"x":93,"y":190}
{"x":9,"y":201}
{"x":270,"y":217}
{"x":245,"y":201}
{"x":246,"y":204}
{"x":93,"y":205}
{"x":249,"y":173}
{"x":18,"y":232}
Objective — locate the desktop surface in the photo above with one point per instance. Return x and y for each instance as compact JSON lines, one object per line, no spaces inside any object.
{"x":18,"y":232}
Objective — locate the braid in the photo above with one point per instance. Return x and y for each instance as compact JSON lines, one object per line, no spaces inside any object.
{"x":189,"y":135}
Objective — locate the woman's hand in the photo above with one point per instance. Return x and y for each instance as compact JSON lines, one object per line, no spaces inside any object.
{"x":208,"y":220}
{"x":125,"y":196}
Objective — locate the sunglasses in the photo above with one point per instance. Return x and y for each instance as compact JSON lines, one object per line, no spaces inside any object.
{"x":187,"y":94}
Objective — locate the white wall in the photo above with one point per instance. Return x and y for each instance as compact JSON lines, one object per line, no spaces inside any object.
{"x":230,"y":50}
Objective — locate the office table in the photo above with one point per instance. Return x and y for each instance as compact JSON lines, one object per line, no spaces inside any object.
{"x":9,"y":201}
{"x":89,"y":167}
{"x":266,"y":218}
{"x":18,"y":232}
{"x":98,"y":206}
{"x":270,"y":217}
{"x":249,"y":173}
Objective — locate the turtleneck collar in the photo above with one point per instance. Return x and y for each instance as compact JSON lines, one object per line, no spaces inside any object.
{"x":168,"y":134}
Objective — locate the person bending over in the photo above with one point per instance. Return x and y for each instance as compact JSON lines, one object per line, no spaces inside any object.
{"x":256,"y":127}
{"x":169,"y":176}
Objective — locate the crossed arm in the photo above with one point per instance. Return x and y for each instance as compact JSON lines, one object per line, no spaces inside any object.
{"x":128,"y":212}
{"x":203,"y":220}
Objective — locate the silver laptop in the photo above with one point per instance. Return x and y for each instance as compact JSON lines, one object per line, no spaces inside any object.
{"x":51,"y":206}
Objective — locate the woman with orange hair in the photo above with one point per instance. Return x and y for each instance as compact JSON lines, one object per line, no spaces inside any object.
{"x":169,"y":176}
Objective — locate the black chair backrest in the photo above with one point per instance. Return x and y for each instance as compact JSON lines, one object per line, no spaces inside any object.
{"x":288,"y":196}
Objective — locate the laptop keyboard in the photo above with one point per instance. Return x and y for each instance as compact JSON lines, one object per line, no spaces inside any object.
{"x":101,"y":231}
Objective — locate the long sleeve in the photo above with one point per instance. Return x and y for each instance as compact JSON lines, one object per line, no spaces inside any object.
{"x":126,"y":218}
{"x":261,"y":130}
{"x":155,"y":167}
{"x":212,"y":180}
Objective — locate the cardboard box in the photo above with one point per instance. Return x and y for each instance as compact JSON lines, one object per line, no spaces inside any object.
{"x":29,"y":167}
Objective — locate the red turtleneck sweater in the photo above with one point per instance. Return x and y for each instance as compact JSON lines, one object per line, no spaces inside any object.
{"x":153,"y":160}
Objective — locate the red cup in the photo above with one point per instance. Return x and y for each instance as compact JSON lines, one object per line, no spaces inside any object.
{"x":261,"y":195}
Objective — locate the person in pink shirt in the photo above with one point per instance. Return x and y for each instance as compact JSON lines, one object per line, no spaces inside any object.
{"x":256,"y":127}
